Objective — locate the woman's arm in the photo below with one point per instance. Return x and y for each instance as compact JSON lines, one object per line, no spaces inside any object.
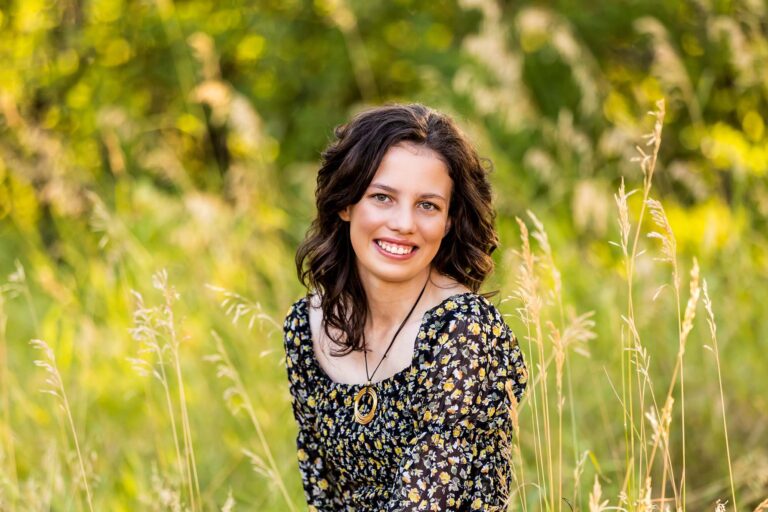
{"x":316,"y":477}
{"x":460,"y":459}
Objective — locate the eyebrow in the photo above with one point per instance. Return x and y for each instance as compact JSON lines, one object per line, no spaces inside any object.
{"x":394,"y":191}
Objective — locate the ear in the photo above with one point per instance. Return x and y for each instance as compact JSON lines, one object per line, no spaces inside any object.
{"x":447,"y":227}
{"x":344,"y":214}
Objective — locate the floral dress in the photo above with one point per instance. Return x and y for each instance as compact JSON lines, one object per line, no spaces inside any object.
{"x":441,"y":435}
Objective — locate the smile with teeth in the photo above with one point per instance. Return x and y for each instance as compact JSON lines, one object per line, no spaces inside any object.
{"x":395,"y":248}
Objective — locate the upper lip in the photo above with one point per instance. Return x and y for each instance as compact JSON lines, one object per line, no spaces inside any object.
{"x":397,"y":242}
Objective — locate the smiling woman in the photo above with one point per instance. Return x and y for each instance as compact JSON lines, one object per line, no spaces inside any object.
{"x":397,"y":227}
{"x":393,"y":264}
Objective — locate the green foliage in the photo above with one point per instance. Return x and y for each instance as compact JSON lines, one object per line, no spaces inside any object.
{"x":140,"y":135}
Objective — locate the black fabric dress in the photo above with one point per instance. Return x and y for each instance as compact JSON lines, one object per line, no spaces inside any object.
{"x":441,"y":434}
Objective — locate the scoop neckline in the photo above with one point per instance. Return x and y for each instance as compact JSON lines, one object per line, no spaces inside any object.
{"x":396,"y":376}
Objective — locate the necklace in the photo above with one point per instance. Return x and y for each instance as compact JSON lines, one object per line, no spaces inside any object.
{"x":367,"y":389}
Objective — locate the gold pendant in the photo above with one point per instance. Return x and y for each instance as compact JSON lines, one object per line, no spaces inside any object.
{"x":364,"y":419}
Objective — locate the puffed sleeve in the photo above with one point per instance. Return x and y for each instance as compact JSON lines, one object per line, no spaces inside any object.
{"x":316,"y":478}
{"x":460,"y":458}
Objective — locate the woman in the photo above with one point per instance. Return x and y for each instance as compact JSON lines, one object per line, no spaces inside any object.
{"x":397,"y":367}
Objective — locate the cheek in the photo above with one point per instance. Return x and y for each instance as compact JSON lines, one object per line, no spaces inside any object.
{"x":364,"y":222}
{"x":434,"y":231}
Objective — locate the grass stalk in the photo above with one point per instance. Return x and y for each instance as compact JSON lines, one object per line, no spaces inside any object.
{"x":630,"y":252}
{"x":57,"y":389}
{"x":227,"y":369}
{"x":540,"y":235}
{"x":531,"y":316}
{"x":189,"y":451}
{"x":716,"y":351}
{"x":146,"y":333}
{"x":155,"y":329}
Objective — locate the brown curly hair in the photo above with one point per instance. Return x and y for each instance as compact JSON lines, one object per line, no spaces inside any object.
{"x":325,"y":260}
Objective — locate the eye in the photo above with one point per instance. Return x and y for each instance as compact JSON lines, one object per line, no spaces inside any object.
{"x":426,"y":205}
{"x":379,"y":197}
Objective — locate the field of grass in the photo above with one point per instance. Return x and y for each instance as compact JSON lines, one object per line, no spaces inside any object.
{"x":149,"y":214}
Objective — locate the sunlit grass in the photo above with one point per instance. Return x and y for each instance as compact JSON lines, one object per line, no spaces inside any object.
{"x":594,"y":378}
{"x":139,"y":136}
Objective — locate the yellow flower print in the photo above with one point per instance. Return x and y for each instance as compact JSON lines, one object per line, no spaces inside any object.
{"x":455,"y":358}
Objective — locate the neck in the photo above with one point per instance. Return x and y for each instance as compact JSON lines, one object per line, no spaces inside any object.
{"x":389,"y":303}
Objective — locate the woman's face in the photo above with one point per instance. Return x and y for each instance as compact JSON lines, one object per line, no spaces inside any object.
{"x":397,"y":226}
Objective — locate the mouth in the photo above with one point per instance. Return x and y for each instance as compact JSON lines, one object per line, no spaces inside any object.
{"x":396,"y":249}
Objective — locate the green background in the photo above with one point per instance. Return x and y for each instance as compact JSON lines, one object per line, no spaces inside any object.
{"x":141,"y":135}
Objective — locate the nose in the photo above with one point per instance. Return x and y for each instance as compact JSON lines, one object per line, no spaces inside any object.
{"x":401,"y":219}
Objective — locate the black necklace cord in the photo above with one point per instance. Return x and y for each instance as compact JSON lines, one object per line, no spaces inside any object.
{"x":365,"y":351}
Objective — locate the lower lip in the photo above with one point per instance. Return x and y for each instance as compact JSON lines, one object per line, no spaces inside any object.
{"x":395,"y":256}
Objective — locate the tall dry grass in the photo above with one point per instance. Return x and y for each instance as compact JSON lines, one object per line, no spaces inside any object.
{"x":159,"y":347}
{"x":648,"y":471}
{"x":556,"y":337}
{"x":56,"y":388}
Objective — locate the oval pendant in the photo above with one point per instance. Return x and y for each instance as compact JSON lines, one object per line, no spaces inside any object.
{"x":364,"y":419}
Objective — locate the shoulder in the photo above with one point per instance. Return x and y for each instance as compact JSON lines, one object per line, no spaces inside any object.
{"x":295,"y":322}
{"x":469,"y":325}
{"x":296,"y":310}
{"x":475,"y":313}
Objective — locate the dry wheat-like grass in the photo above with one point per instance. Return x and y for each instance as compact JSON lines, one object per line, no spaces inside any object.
{"x":539,"y":290}
{"x":648,"y":419}
{"x":237,"y":398}
{"x":56,"y":388}
{"x":155,"y":328}
{"x":714,"y":349}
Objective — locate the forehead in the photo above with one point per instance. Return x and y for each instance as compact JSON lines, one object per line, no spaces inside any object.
{"x":409,"y":166}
